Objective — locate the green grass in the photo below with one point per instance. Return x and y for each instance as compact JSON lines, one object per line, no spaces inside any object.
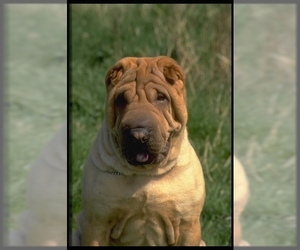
{"x":264,"y":119}
{"x":198,"y":37}
{"x":35,"y":90}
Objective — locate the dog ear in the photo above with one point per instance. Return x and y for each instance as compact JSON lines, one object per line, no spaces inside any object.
{"x":172,"y":74}
{"x":116,"y":72}
{"x":114,"y":75}
{"x":171,"y":70}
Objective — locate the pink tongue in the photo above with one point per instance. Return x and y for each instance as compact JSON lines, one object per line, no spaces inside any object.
{"x":142,"y":157}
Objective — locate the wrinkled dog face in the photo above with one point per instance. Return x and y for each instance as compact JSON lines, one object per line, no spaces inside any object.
{"x":145,"y":110}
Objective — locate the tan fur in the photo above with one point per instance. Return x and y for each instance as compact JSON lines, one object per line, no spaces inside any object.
{"x":156,"y":204}
{"x":241,"y":196}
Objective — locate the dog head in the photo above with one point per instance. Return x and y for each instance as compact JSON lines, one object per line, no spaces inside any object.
{"x":146,"y":108}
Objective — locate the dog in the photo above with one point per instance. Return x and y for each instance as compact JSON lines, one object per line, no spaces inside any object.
{"x":143,"y":183}
{"x":241,"y":196}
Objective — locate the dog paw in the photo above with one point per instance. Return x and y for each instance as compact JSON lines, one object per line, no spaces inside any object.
{"x":202,"y":243}
{"x":244,"y":243}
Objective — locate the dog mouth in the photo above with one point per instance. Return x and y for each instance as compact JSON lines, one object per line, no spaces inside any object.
{"x":142,"y":157}
{"x":138,"y":154}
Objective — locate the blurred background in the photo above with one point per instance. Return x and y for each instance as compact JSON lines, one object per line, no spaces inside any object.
{"x":265,"y":119}
{"x":35,"y":109}
{"x":198,"y":37}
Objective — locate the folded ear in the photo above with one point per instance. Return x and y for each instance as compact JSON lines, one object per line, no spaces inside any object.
{"x":171,"y":70}
{"x":114,"y":74}
{"x":172,"y":74}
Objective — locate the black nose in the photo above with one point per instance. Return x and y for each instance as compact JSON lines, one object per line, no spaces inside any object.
{"x":140,"y":134}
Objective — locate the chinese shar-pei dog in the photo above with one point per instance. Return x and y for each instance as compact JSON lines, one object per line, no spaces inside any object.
{"x":143,"y":182}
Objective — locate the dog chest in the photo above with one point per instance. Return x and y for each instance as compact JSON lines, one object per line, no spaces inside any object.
{"x":146,"y":212}
{"x":148,"y":228}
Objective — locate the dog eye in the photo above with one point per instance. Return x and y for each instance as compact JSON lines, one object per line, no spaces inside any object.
{"x":161,"y":98}
{"x":120,"y":100}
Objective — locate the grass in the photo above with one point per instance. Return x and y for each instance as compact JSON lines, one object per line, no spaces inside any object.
{"x":198,"y":37}
{"x":35,"y":90}
{"x":264,"y":119}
